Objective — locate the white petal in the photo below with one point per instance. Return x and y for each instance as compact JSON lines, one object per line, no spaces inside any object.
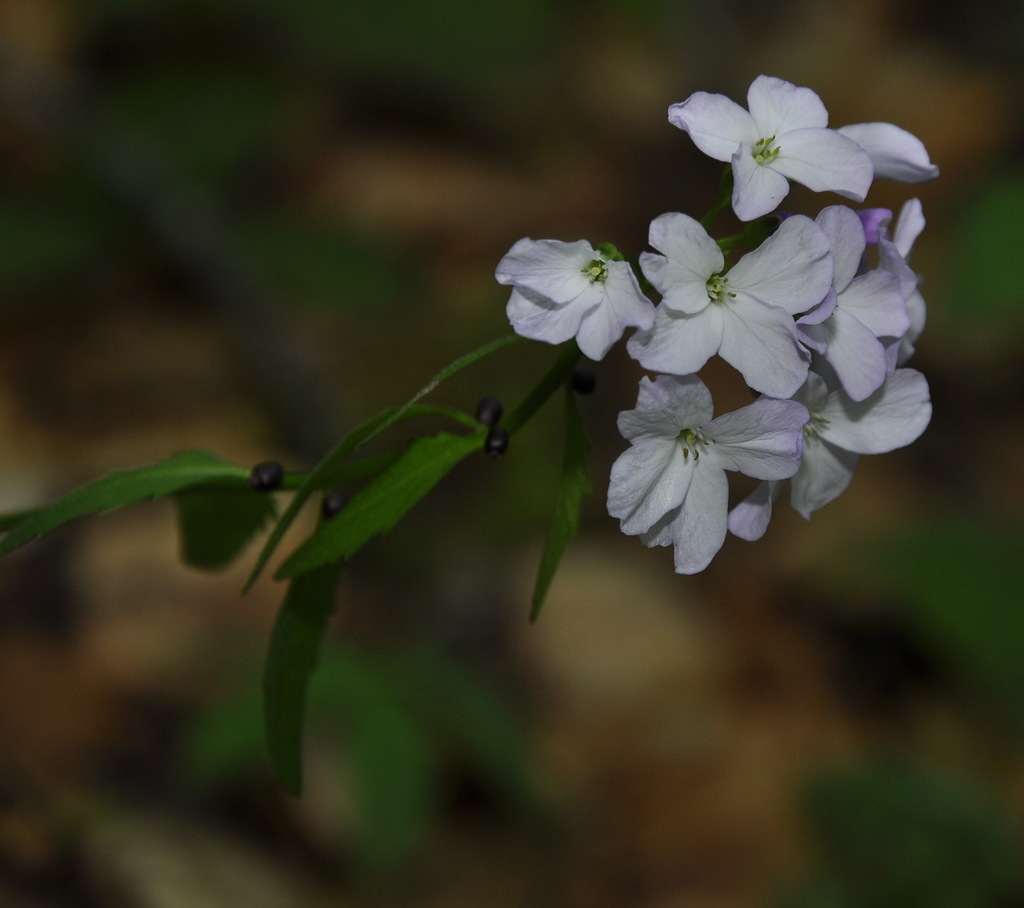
{"x":537,"y":318}
{"x":857,"y":356}
{"x":825,"y":472}
{"x":762,"y":440}
{"x":917,"y":311}
{"x":690,"y":258}
{"x":699,"y":529}
{"x":623,"y":306}
{"x":846,"y":239}
{"x":894,"y":416}
{"x":716,"y":123}
{"x":895,"y":153}
{"x":647,"y":481}
{"x":792,"y":269}
{"x":550,"y":268}
{"x":678,"y":344}
{"x":825,"y":161}
{"x":778,"y":106}
{"x":761,"y":342}
{"x":876,"y":299}
{"x":666,"y":406}
{"x":908,"y":226}
{"x":757,"y":188}
{"x":750,"y":518}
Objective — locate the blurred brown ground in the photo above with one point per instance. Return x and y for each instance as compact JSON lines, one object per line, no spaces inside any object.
{"x":672,"y":720}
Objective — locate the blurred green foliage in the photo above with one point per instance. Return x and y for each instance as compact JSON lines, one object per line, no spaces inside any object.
{"x":891,"y":835}
{"x":986,"y":292}
{"x":405,"y":722}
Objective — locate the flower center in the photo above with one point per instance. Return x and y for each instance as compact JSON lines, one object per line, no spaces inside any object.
{"x":691,"y":441}
{"x":764,"y":151}
{"x":597,"y":271}
{"x":814,"y":425}
{"x":717,"y":289}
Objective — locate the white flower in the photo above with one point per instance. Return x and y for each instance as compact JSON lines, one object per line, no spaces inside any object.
{"x":861,"y":309}
{"x":783,"y":137}
{"x":745,"y":315}
{"x":669,"y":487}
{"x":838,"y":431}
{"x":895,"y":153}
{"x":564,"y":290}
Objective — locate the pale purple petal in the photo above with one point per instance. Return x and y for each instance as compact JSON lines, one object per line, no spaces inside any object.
{"x":808,"y":327}
{"x":778,"y":106}
{"x":857,"y":356}
{"x":750,"y":518}
{"x":666,"y":406}
{"x":716,"y":123}
{"x":678,"y":344}
{"x":845,"y":233}
{"x":824,"y":474}
{"x":757,"y":189}
{"x":895,"y":153}
{"x":792,"y":269}
{"x":762,"y":440}
{"x":894,"y":416}
{"x":761,"y":342}
{"x":623,"y":306}
{"x":647,"y":481}
{"x":690,"y":258}
{"x":825,"y":161}
{"x":551,"y":268}
{"x":537,"y":318}
{"x":871,"y":219}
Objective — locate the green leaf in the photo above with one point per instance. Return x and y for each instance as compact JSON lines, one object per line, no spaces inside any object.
{"x":294,"y":645}
{"x":215,"y":524}
{"x":573,"y":486}
{"x":381,"y":504}
{"x":356,"y":439}
{"x":182,"y":471}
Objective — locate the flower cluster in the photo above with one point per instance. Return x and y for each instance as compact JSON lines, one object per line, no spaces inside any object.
{"x":819,"y":319}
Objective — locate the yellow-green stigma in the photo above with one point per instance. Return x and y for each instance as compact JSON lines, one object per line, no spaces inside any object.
{"x":717,"y":289}
{"x":690,"y":440}
{"x":814,"y":426}
{"x":763,"y":150}
{"x":597,"y":271}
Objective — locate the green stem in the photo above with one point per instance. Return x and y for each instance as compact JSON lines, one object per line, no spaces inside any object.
{"x":556,"y":376}
{"x":725,"y":187}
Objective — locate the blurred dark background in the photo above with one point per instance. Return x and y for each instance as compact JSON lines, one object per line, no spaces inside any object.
{"x":248,"y":226}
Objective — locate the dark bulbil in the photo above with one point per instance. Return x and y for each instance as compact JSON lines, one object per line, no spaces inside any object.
{"x":496,"y":442}
{"x":266,"y":476}
{"x":333,"y":502}
{"x":583,"y":380}
{"x":489,"y":411}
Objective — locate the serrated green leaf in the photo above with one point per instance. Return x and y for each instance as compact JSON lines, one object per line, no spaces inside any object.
{"x":381,"y":504}
{"x":182,"y":471}
{"x":294,"y":645}
{"x":573,"y":486}
{"x":215,"y":524}
{"x":356,"y":439}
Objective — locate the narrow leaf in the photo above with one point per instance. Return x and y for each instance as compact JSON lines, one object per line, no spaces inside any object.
{"x":294,"y":646}
{"x":182,"y":471}
{"x":381,"y":504}
{"x":356,"y":439}
{"x":215,"y":524}
{"x":574,"y":484}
